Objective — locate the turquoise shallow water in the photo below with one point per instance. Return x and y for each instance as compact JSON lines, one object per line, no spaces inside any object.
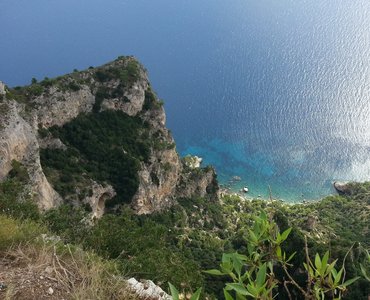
{"x":276,"y":92}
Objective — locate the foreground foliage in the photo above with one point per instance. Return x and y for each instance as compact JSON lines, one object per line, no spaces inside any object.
{"x":177,"y":245}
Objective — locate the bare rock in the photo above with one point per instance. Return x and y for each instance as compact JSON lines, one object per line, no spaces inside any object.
{"x":343,"y":188}
{"x":198,"y":183}
{"x":18,"y":142}
{"x":134,"y":98}
{"x":158,"y":181}
{"x":192,"y":162}
{"x":99,"y":195}
{"x":58,"y":107}
{"x":146,"y":289}
{"x":2,"y":88}
{"x":311,"y":223}
{"x":51,"y":143}
{"x":50,"y":291}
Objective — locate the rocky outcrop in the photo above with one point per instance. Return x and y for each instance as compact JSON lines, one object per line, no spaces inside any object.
{"x":2,"y":88}
{"x":134,"y":98}
{"x":198,"y":183}
{"x":51,"y":143}
{"x":59,"y":107}
{"x":192,"y":162}
{"x":343,"y":188}
{"x":119,"y":85}
{"x":18,"y":142}
{"x":158,"y":182}
{"x":146,"y":289}
{"x":99,"y":195}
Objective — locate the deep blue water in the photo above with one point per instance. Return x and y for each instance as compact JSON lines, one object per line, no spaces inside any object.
{"x":276,"y":92}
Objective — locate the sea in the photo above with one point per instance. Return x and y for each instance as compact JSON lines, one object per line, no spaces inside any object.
{"x":274,"y":94}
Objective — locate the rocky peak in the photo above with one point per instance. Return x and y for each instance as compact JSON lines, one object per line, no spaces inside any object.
{"x":121,"y":85}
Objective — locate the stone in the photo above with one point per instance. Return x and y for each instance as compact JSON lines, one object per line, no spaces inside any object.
{"x":146,"y":289}
{"x":48,"y":270}
{"x":343,"y":188}
{"x":2,"y":88}
{"x":99,"y":195}
{"x":192,"y":162}
{"x":50,"y":291}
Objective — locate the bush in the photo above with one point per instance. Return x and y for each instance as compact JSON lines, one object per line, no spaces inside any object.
{"x":108,"y":147}
{"x":13,"y":232}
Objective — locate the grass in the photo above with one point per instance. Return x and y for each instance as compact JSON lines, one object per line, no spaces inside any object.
{"x":77,"y":274}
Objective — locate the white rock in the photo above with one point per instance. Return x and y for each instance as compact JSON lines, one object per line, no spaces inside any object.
{"x":50,"y":291}
{"x":2,"y":88}
{"x":147,"y":289}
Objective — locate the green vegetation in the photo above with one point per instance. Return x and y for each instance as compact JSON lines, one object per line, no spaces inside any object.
{"x":128,"y":74}
{"x":29,"y":248}
{"x":253,"y":274}
{"x":249,"y":245}
{"x":151,"y":101}
{"x":178,"y":245}
{"x":14,"y":199}
{"x":107,"y":147}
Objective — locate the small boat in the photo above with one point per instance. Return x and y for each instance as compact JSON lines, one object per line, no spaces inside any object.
{"x":245,"y":190}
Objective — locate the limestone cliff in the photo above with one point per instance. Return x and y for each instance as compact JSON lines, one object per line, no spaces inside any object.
{"x":19,"y":142}
{"x":121,"y":85}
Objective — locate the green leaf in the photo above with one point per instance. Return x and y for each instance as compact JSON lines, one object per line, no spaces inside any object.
{"x":226,"y":257}
{"x":227,"y":295}
{"x":196,"y":295}
{"x":240,"y":297}
{"x":285,"y":234}
{"x":241,"y":256}
{"x":317,"y":261}
{"x":263,"y":216}
{"x":324,"y":263}
{"x":237,"y":265}
{"x":278,"y":238}
{"x":363,"y":270}
{"x":338,"y":276}
{"x":261,"y":276}
{"x":270,"y":266}
{"x":174,"y":292}
{"x":253,"y":237}
{"x":330,"y":267}
{"x":239,"y":288}
{"x":226,"y":267}
{"x":278,"y":252}
{"x":334,"y":272}
{"x":252,"y":289}
{"x":214,"y":272}
{"x":291,"y":257}
{"x":350,"y":281}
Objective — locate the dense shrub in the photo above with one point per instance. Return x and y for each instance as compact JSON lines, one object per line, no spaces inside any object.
{"x":107,"y":147}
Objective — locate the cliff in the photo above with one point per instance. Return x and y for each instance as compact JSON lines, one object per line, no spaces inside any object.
{"x":33,"y":129}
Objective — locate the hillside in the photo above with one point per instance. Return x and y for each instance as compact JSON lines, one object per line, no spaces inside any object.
{"x":86,"y":157}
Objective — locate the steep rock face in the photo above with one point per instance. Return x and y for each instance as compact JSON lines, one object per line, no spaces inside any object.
{"x":119,"y":85}
{"x":158,"y":181}
{"x":18,"y":142}
{"x":58,"y":107}
{"x":134,"y":97}
{"x":199,"y":182}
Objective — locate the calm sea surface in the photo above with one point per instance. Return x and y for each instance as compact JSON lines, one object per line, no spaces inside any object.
{"x":276,"y":92}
